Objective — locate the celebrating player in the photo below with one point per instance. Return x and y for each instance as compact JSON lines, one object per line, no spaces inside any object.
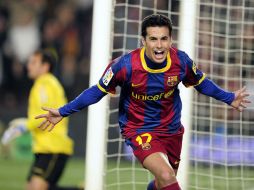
{"x":150,"y":105}
{"x":51,"y":150}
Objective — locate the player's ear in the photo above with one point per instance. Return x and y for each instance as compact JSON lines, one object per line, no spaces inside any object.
{"x":171,"y":41}
{"x":46,"y":67}
{"x":143,"y":41}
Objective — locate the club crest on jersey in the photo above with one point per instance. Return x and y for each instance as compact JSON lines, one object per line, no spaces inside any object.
{"x":107,"y":76}
{"x":172,"y":80}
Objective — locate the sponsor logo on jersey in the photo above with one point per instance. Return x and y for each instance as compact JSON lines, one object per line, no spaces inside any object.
{"x":107,"y":76}
{"x":145,"y":97}
{"x":172,"y":80}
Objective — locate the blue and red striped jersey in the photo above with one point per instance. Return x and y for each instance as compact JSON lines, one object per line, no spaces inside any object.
{"x":149,"y":97}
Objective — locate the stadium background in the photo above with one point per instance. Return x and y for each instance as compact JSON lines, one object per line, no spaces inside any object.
{"x":30,"y":24}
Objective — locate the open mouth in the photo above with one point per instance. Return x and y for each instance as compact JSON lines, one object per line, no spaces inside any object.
{"x":159,"y":54}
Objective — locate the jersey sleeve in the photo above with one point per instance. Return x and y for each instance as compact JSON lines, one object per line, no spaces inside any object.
{"x":192,"y":75}
{"x":211,"y":89}
{"x":114,"y":75}
{"x":86,"y":98}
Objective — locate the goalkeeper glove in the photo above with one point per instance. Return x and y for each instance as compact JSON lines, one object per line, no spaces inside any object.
{"x":16,"y":128}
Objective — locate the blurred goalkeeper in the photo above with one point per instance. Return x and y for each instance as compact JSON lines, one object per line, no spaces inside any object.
{"x":150,"y":104}
{"x":51,"y":150}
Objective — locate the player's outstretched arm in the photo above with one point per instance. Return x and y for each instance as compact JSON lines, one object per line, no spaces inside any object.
{"x":54,"y":116}
{"x":51,"y":118}
{"x":240,"y":101}
{"x":237,"y":99}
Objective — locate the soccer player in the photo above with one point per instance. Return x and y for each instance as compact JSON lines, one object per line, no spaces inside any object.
{"x":150,"y":105}
{"x":51,"y":150}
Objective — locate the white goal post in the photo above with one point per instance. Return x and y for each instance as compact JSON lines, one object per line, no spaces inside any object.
{"x":97,"y":114}
{"x":187,"y":43}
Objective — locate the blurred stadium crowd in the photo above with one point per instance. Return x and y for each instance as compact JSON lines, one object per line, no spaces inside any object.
{"x":26,"y":25}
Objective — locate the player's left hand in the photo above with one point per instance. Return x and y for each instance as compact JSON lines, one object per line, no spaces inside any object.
{"x":240,"y":102}
{"x":16,"y":128}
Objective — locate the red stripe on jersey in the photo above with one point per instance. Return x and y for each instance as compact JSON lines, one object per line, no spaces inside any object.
{"x":171,"y":80}
{"x":121,"y":75}
{"x":138,"y":86}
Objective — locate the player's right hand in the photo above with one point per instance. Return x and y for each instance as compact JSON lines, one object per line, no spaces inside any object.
{"x":15,"y":129}
{"x":51,"y":118}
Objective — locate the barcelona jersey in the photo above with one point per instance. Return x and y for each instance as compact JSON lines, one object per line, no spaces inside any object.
{"x":149,"y":97}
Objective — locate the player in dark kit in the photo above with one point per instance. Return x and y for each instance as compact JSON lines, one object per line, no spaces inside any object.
{"x":150,"y":105}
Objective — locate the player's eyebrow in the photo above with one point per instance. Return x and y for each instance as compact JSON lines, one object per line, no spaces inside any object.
{"x":156,"y":38}
{"x":164,"y":37}
{"x":152,"y":38}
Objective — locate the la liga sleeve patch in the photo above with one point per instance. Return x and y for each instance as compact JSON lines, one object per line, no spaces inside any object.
{"x":107,"y":76}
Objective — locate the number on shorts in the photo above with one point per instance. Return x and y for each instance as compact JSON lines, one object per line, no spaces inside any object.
{"x":139,"y":138}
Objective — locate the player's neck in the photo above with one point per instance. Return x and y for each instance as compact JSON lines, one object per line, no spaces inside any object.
{"x":153,"y":65}
{"x":41,"y":75}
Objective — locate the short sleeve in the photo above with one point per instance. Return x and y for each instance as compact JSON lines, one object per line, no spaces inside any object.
{"x":193,"y":76}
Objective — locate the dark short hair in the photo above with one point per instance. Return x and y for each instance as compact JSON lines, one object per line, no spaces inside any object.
{"x":156,"y":20}
{"x":48,"y":56}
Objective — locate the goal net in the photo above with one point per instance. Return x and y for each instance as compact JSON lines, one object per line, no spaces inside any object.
{"x":222,"y":139}
{"x":221,"y":154}
{"x":123,"y":172}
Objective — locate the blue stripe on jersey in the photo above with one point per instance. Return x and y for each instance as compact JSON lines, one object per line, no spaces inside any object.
{"x":127,"y":64}
{"x":124,"y":103}
{"x":152,"y":115}
{"x":174,"y":125}
{"x":117,"y":65}
{"x":124,"y":100}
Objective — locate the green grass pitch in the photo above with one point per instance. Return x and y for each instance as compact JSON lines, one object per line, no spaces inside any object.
{"x":13,"y":173}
